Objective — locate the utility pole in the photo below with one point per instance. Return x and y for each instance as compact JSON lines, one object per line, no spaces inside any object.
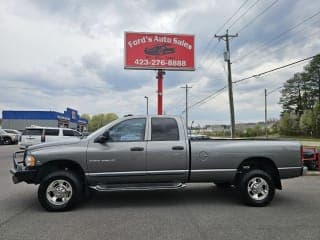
{"x":187,"y":88}
{"x":147,"y":98}
{"x":226,"y":38}
{"x":160,"y":75}
{"x":265,"y":112}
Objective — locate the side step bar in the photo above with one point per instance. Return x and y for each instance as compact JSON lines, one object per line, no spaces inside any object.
{"x":137,"y":187}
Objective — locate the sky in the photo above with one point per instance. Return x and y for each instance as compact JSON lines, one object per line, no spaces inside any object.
{"x":70,"y":53}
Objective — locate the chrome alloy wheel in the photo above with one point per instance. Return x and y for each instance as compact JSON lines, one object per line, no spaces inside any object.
{"x":258,"y":188}
{"x":59,"y":192}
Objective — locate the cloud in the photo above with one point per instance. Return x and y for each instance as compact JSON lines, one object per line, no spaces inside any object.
{"x":56,"y":54}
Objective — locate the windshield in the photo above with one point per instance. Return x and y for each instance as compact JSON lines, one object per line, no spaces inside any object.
{"x":2,"y":131}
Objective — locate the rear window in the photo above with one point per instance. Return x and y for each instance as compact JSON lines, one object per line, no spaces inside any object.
{"x":52,"y":132}
{"x":68,"y":133}
{"x":33,"y":132}
{"x":164,"y":129}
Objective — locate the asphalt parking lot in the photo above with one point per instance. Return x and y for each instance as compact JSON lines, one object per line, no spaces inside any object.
{"x":200,"y":211}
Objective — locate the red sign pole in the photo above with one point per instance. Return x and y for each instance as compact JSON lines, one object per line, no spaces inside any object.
{"x":160,"y":90}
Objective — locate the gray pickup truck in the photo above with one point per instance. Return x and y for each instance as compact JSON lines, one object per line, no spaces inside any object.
{"x":150,"y":153}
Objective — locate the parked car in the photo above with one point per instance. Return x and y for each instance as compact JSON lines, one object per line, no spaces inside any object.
{"x":152,"y":153}
{"x":8,"y":138}
{"x":35,"y":135}
{"x":13,"y":131}
{"x":159,"y":50}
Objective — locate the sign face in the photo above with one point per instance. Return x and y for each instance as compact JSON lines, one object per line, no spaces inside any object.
{"x":159,"y":51}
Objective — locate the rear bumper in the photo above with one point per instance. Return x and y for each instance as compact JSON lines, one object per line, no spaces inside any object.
{"x":304,"y":171}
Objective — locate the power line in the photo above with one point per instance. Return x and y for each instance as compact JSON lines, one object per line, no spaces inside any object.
{"x":208,"y":98}
{"x":230,"y":18}
{"x":298,"y":31}
{"x":272,"y":70}
{"x":219,"y":29}
{"x":219,"y":91}
{"x":243,"y":14}
{"x":259,"y":15}
{"x":280,"y":35}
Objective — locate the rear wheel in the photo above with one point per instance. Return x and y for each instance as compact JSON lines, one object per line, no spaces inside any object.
{"x":257,"y":188}
{"x":60,"y":191}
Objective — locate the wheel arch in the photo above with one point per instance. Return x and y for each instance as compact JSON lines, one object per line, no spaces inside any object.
{"x":60,"y":164}
{"x":262,"y":163}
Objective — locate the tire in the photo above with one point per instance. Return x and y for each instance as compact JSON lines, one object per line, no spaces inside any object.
{"x":257,"y":188}
{"x":7,"y":141}
{"x":60,"y":191}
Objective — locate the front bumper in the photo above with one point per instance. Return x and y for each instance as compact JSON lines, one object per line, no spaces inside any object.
{"x":21,"y":173}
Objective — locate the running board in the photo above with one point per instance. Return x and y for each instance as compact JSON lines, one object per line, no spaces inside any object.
{"x":137,"y":187}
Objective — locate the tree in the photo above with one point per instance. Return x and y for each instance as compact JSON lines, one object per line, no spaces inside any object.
{"x":312,"y":71}
{"x":302,"y":91}
{"x":289,"y":124}
{"x":306,"y":122}
{"x":291,"y":94}
{"x":86,"y":116}
{"x":316,"y":119}
{"x":300,"y":98}
{"x":100,"y":120}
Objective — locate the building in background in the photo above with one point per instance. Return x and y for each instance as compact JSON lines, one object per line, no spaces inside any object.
{"x":19,"y":120}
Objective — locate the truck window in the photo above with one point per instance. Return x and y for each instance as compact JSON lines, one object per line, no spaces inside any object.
{"x":131,"y":130}
{"x":51,"y":132}
{"x":164,"y":129}
{"x":68,"y":133}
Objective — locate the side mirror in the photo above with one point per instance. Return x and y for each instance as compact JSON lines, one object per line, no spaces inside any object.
{"x":102,"y":138}
{"x":106,"y":135}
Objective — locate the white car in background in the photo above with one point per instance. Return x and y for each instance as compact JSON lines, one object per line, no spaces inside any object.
{"x":35,"y":135}
{"x":13,"y":131}
{"x":8,"y":138}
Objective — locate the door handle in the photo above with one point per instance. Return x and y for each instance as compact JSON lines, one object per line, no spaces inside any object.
{"x":136,"y":149}
{"x":177,"y":148}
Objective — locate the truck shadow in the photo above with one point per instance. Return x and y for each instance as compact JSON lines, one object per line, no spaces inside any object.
{"x":194,"y":195}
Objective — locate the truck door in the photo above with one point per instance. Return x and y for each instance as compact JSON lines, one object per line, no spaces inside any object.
{"x":166,"y":151}
{"x":122,"y":159}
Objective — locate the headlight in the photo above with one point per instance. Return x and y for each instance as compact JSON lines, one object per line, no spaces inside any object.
{"x":30,"y":161}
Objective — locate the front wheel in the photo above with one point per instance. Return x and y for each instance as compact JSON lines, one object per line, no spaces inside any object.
{"x":7,"y":141}
{"x":60,"y":191}
{"x":257,"y":188}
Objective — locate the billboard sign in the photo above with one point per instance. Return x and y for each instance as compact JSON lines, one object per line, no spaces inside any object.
{"x":159,"y":51}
